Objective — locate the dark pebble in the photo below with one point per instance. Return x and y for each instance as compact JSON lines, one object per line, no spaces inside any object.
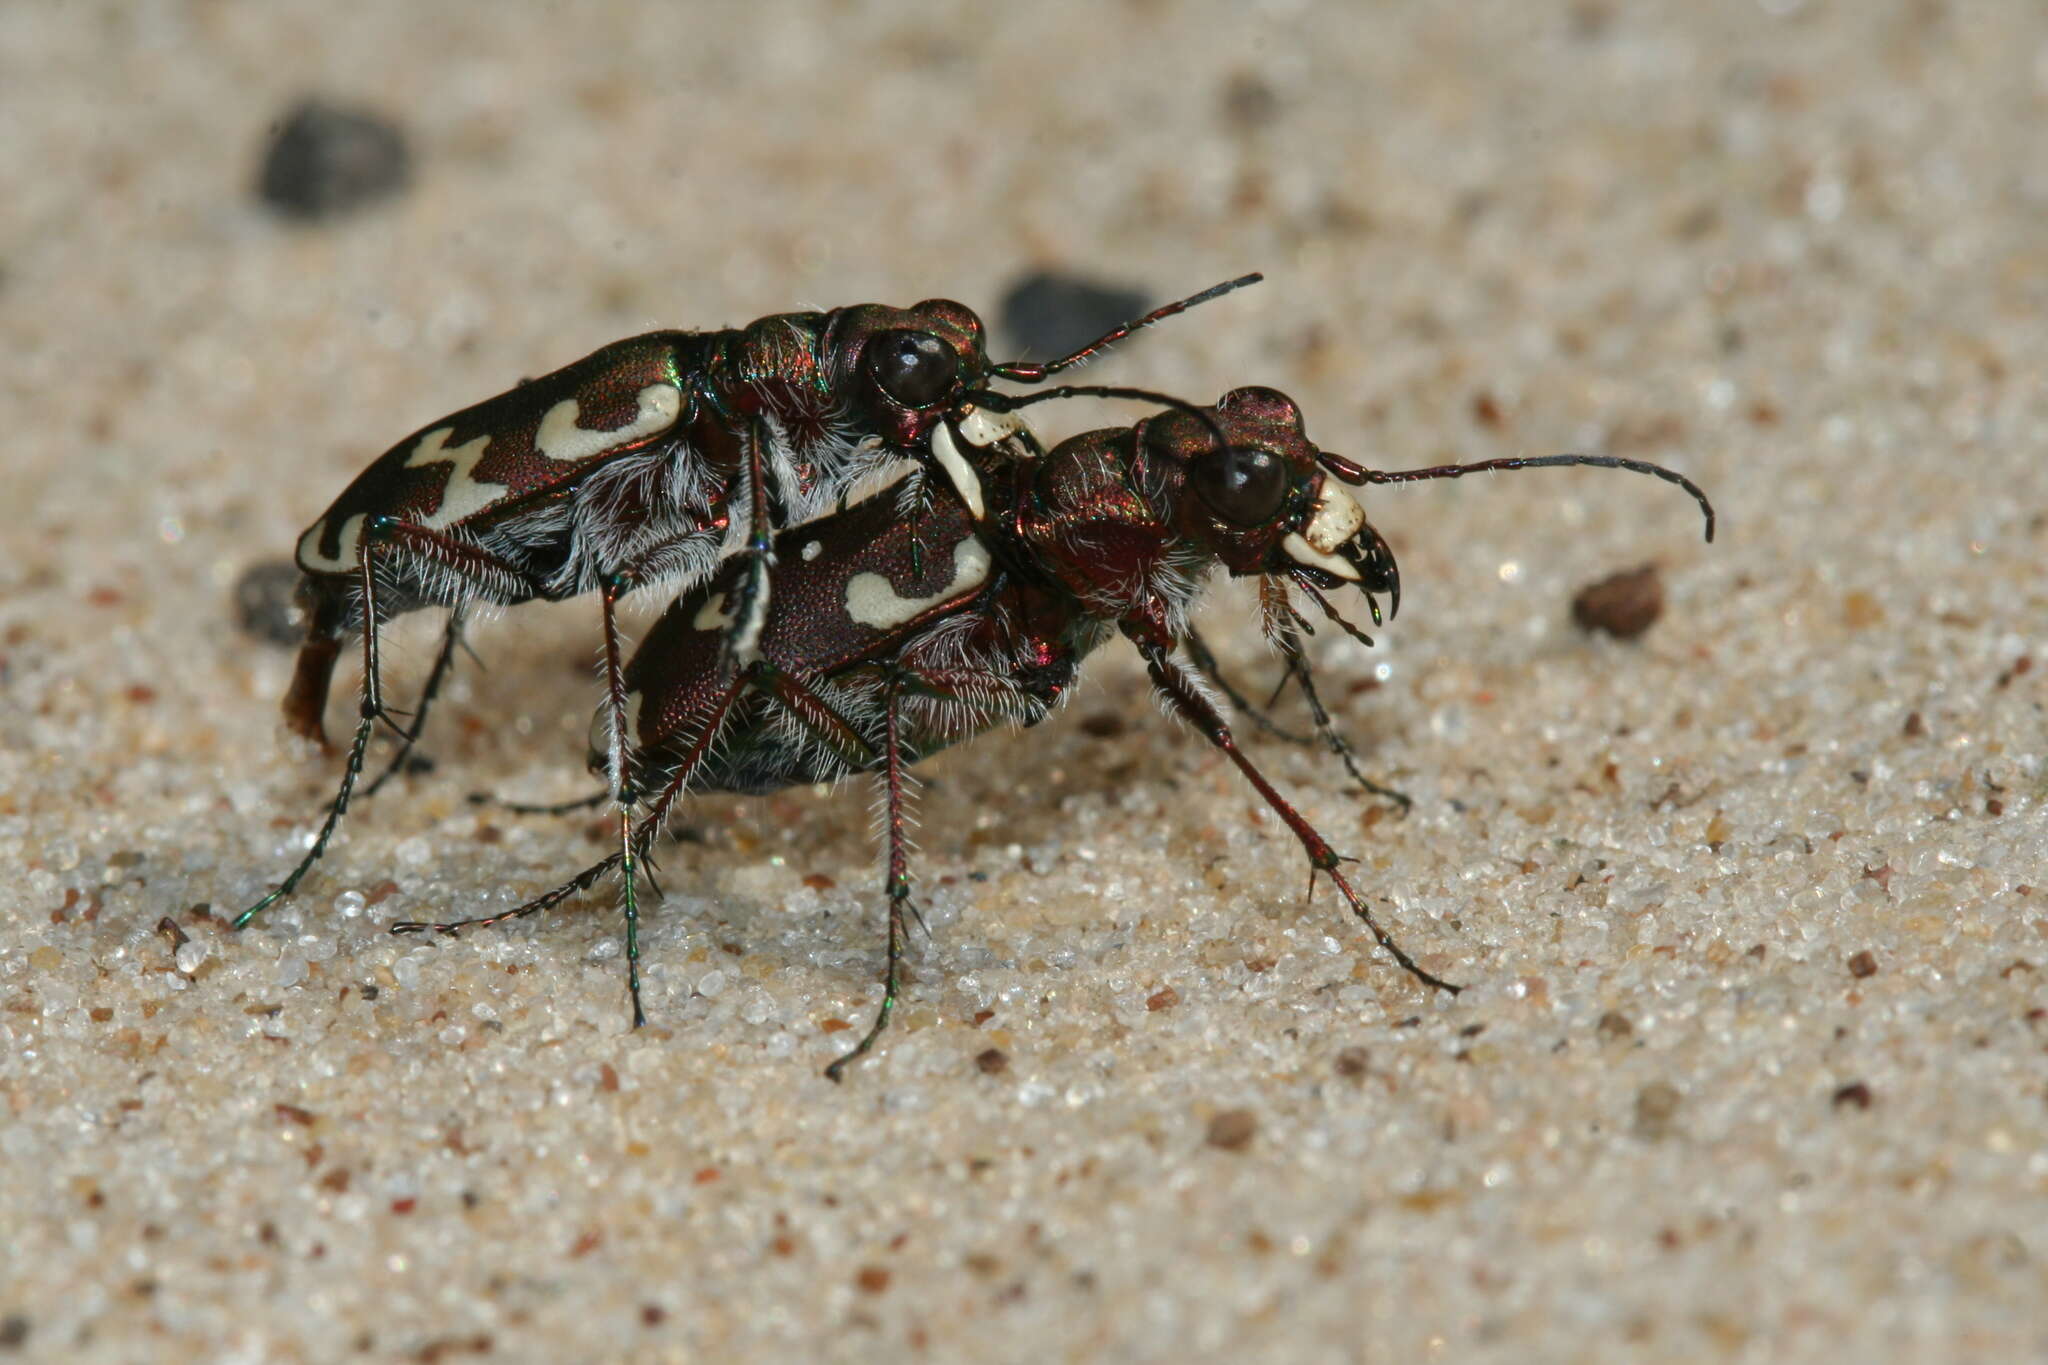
{"x":1863,"y":964}
{"x":1613,"y":1027}
{"x":1047,"y":314}
{"x":1623,"y":605}
{"x":266,"y":602}
{"x":325,"y":160}
{"x":1233,"y":1129}
{"x":1657,"y":1110}
{"x":1855,"y":1093}
{"x":1249,"y":102}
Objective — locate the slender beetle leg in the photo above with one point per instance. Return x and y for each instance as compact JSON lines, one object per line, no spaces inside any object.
{"x":444,"y":661}
{"x":569,"y":807}
{"x":898,"y":876}
{"x":616,"y":780}
{"x":813,"y":713}
{"x":1288,"y":638}
{"x":484,"y":572}
{"x":1180,"y":693}
{"x":750,"y":609}
{"x":1205,"y":662}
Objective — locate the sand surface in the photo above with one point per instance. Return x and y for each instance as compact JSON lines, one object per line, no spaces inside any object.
{"x":1751,"y":909}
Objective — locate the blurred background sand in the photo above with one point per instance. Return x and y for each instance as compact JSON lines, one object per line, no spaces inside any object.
{"x":1751,"y":907}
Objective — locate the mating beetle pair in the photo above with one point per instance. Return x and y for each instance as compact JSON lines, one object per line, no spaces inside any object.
{"x":647,"y":462}
{"x":903,"y":625}
{"x":967,"y":596}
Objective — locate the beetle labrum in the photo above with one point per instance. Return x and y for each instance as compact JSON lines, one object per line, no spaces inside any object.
{"x":647,"y":462}
{"x":895,"y":631}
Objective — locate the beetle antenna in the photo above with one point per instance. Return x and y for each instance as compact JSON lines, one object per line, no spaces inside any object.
{"x":1010,"y":402}
{"x":1025,"y":372}
{"x":1358,"y":474}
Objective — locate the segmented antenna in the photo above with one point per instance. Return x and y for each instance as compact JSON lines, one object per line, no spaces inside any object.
{"x":1353,"y":473}
{"x":1026,"y":372}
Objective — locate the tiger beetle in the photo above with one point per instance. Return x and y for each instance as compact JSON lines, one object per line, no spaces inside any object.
{"x":900,"y":626}
{"x":649,"y":461}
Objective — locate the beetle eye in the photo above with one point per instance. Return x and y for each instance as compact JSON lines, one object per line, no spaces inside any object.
{"x":914,"y":368}
{"x":1244,"y":484}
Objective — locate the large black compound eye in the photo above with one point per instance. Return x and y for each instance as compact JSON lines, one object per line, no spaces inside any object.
{"x":914,"y":368}
{"x":1244,"y":484}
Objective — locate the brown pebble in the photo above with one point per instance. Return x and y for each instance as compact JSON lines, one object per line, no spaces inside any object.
{"x":1656,"y":1107}
{"x":1164,"y":998}
{"x":1860,"y":610}
{"x":652,"y":1315}
{"x":992,"y":1061}
{"x":1623,"y":605}
{"x":1353,"y":1062}
{"x":1863,"y":964}
{"x":872,"y":1279}
{"x":1856,"y":1093}
{"x":1914,"y":726}
{"x":1613,"y":1027}
{"x":1233,"y":1129}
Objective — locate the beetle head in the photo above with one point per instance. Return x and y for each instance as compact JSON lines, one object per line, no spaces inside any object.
{"x":1261,"y":498}
{"x":908,"y":369}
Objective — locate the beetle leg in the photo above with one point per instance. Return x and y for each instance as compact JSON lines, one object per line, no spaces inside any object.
{"x":898,"y":879}
{"x":633,"y":848}
{"x":1288,"y":640}
{"x":750,"y":606}
{"x":451,"y":640}
{"x":484,"y":572}
{"x":1205,"y":663}
{"x":1180,"y":693}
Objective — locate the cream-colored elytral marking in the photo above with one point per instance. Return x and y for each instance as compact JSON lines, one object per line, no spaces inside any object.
{"x":714,"y":614}
{"x":462,"y":494}
{"x":1336,"y":519}
{"x":965,"y":482}
{"x":344,"y":556}
{"x":872,"y":600}
{"x":559,"y":438}
{"x":1316,"y":559}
